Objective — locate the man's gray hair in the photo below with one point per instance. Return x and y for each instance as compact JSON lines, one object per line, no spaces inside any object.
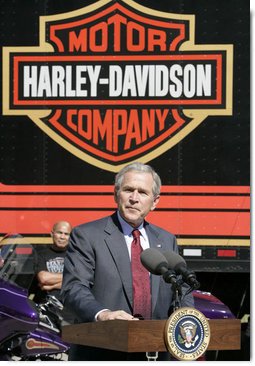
{"x":139,"y":167}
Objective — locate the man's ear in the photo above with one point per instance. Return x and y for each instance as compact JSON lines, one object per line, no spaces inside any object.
{"x":155,"y":202}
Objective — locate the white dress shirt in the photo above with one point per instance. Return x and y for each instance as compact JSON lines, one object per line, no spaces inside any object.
{"x":127,"y":231}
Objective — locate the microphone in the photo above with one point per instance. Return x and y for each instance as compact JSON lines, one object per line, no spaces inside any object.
{"x":178,"y":264}
{"x":155,"y":262}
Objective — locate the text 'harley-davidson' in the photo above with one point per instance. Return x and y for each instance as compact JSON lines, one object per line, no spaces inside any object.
{"x":28,"y":331}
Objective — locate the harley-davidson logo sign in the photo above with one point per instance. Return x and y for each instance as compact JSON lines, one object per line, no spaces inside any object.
{"x":115,"y":81}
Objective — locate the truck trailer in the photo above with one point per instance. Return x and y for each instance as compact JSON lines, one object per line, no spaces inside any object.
{"x":90,"y":86}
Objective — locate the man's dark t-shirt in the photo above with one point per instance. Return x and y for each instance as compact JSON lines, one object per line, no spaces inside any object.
{"x":51,"y":260}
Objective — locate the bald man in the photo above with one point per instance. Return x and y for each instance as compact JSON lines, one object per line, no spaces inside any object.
{"x":50,"y":262}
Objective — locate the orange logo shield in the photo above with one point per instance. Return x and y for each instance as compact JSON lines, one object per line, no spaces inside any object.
{"x":115,"y":82}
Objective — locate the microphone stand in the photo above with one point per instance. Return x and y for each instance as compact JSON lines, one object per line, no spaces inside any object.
{"x":169,"y":277}
{"x":177,"y":295}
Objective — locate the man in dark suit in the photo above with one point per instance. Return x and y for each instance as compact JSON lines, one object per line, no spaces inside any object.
{"x":97,"y":279}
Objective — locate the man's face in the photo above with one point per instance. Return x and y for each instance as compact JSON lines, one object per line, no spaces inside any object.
{"x":60,"y":235}
{"x":135,"y":198}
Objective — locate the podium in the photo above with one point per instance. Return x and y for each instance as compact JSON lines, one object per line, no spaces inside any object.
{"x":146,"y":335}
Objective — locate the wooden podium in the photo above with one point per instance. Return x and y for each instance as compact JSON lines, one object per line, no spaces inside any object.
{"x":146,"y":335}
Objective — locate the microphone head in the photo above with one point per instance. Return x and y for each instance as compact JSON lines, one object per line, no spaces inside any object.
{"x":174,"y":260}
{"x":154,"y":261}
{"x":178,"y":264}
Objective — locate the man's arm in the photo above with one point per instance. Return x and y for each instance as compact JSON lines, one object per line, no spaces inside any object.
{"x":49,"y":281}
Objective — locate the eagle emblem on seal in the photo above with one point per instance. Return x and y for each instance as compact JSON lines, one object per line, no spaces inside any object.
{"x":188,"y":335}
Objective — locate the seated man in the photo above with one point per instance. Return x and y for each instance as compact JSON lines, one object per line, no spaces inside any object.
{"x":50,"y":264}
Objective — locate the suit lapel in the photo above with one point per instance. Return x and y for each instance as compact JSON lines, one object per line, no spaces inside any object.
{"x":154,"y":241}
{"x":118,"y":248}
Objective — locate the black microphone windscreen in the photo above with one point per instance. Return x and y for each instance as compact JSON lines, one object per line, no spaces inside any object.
{"x":153,"y":260}
{"x":174,"y":260}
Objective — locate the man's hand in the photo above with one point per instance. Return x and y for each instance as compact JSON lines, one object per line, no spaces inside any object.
{"x":112,"y":315}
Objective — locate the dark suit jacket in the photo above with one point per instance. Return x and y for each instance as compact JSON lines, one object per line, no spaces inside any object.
{"x":97,"y":271}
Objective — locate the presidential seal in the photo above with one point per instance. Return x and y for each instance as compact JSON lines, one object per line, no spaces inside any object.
{"x":187,"y":334}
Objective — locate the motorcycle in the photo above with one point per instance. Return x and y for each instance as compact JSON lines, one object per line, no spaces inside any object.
{"x":28,"y":331}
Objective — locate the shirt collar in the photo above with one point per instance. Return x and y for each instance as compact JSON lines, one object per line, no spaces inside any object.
{"x":126,"y":228}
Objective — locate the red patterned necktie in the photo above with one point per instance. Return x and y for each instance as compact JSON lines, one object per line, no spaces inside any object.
{"x":141,"y":280}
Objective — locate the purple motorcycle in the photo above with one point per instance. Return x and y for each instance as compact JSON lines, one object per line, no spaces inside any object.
{"x":28,"y":331}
